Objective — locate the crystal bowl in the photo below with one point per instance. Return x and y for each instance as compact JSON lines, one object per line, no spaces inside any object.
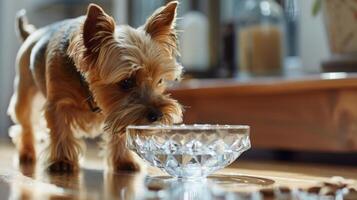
{"x":188,"y":151}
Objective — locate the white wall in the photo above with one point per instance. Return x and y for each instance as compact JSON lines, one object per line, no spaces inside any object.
{"x":313,"y":39}
{"x":120,"y":11}
{"x":8,"y":49}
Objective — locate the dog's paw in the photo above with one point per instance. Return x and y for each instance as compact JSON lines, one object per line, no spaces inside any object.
{"x":27,"y":157}
{"x":62,"y":167}
{"x":127,"y":166}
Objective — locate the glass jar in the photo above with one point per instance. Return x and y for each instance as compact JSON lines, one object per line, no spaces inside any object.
{"x":260,"y":37}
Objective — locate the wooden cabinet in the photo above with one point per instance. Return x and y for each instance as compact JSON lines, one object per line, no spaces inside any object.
{"x":316,"y":113}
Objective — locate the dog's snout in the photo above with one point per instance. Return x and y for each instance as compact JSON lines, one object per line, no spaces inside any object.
{"x":154,"y":115}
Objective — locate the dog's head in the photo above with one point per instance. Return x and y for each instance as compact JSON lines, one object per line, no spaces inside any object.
{"x":127,"y":69}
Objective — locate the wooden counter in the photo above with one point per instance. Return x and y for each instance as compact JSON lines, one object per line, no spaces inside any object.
{"x":315,"y":113}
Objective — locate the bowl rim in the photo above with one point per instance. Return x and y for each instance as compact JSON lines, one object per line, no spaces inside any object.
{"x":188,"y":127}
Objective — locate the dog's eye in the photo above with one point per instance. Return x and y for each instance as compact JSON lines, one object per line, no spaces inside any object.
{"x":160,"y":82}
{"x":127,"y":84}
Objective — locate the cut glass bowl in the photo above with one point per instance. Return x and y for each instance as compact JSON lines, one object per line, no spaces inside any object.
{"x":189,"y":151}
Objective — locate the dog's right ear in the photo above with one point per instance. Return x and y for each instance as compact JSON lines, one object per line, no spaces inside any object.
{"x":98,"y":27}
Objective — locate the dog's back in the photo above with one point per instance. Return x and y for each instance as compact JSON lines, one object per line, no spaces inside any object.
{"x":35,"y":47}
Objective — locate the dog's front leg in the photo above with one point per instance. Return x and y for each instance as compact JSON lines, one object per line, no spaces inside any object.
{"x":119,"y":157}
{"x":64,"y":148}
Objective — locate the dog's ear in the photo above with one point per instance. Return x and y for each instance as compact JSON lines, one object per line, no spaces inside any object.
{"x":161,"y":24}
{"x":97,"y":28}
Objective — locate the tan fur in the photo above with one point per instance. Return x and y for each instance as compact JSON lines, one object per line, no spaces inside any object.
{"x":105,"y":55}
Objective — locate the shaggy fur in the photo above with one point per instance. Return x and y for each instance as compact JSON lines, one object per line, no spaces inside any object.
{"x":124,"y":71}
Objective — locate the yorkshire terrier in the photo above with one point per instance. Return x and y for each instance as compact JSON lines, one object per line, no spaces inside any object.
{"x":96,"y":77}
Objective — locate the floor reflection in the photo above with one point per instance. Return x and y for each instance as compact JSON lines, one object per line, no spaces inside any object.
{"x":124,"y":185}
{"x":31,"y":183}
{"x":240,"y":180}
{"x":217,"y":186}
{"x":222,"y":179}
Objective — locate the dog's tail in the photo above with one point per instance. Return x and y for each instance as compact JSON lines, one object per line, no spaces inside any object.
{"x":23,"y":28}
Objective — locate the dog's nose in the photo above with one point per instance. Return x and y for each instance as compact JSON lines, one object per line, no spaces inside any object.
{"x":154,"y":115}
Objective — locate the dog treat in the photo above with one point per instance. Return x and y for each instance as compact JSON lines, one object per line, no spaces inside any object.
{"x":314,"y":189}
{"x":267,"y":193}
{"x":155,"y":187}
{"x":335,"y":185}
{"x":284,"y":190}
{"x":335,"y":188}
{"x":328,"y":191}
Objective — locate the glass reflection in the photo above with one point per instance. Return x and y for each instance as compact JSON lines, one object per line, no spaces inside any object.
{"x":31,"y":182}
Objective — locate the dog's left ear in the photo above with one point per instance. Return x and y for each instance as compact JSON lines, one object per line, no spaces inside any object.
{"x":161,"y":25}
{"x":97,"y":28}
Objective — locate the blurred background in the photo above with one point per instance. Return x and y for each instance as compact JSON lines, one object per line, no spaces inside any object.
{"x":219,"y":39}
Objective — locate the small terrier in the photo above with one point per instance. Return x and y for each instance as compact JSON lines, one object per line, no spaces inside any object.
{"x":96,"y":77}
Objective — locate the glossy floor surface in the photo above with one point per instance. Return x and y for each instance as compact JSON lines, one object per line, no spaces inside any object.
{"x":93,"y":182}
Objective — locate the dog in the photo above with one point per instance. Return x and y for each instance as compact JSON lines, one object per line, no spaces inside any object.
{"x":96,"y":77}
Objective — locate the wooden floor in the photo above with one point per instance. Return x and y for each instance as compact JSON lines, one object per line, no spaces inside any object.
{"x":30,"y":182}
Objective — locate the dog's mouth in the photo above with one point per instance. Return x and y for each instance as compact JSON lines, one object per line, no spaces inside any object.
{"x":168,"y":113}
